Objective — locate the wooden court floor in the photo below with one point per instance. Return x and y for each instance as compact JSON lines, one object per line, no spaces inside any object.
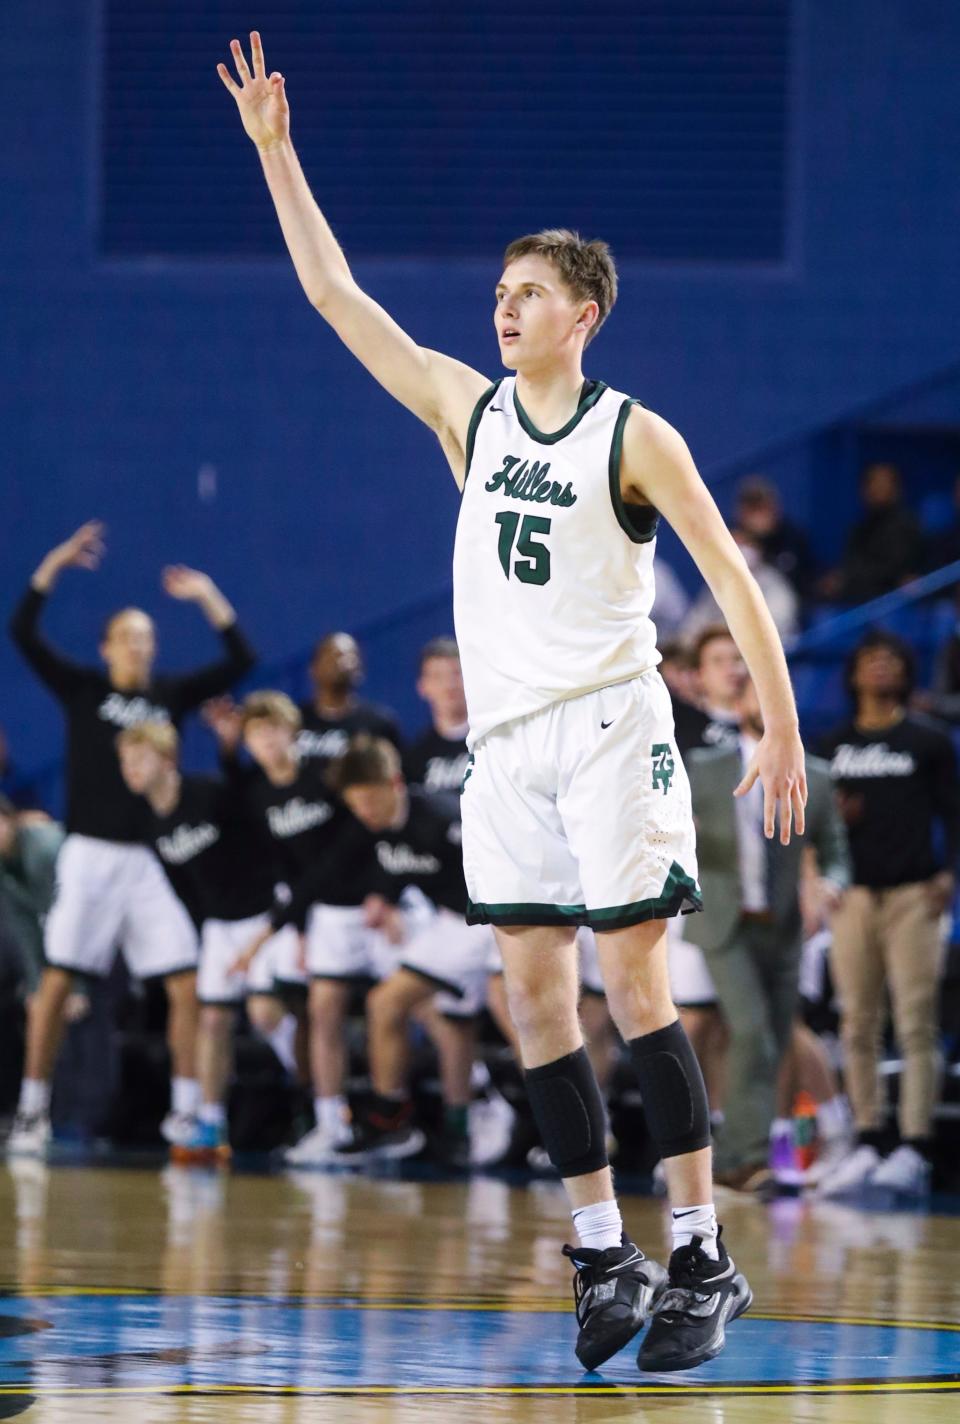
{"x":164,"y":1295}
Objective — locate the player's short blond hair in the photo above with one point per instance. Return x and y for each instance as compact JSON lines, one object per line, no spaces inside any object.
{"x":163,"y":737}
{"x":269,"y":706}
{"x":368,"y":761}
{"x":587,"y":268}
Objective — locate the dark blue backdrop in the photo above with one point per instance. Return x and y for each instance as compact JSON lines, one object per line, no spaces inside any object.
{"x":200,"y":406}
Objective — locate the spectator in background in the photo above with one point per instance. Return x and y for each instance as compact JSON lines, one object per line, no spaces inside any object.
{"x":720,"y":673}
{"x":751,"y":929}
{"x":783,"y":544}
{"x":28,"y":856}
{"x":897,"y":782}
{"x":778,"y":593}
{"x":334,"y":713}
{"x":437,"y":761}
{"x":678,"y":670}
{"x":885,"y":549}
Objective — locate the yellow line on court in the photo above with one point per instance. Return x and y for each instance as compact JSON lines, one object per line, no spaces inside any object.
{"x":628,"y":1391}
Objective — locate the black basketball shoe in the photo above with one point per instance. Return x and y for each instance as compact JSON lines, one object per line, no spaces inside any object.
{"x":691,"y":1316}
{"x":614,"y":1292}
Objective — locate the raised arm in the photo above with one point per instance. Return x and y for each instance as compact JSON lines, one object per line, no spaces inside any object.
{"x":438,"y":390}
{"x":658,"y":468}
{"x":193,"y":688}
{"x":83,"y":550}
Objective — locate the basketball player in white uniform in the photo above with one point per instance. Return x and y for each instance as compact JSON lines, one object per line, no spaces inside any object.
{"x":576,"y":807}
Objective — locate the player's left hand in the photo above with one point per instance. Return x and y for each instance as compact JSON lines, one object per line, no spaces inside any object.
{"x":780,"y":766}
{"x":189,"y":585}
{"x":242,"y":963}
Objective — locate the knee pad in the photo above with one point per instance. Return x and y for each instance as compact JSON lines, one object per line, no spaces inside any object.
{"x":568,"y":1109}
{"x":671,"y":1086}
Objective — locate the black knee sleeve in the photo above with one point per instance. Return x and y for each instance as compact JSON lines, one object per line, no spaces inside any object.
{"x":568,"y":1109}
{"x":671,"y":1085}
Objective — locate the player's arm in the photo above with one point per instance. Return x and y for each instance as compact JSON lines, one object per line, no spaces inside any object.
{"x":192,"y":586}
{"x":658,"y":468}
{"x":440,"y":391}
{"x":83,"y":550}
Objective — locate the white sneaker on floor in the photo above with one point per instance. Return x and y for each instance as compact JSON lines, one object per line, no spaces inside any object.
{"x":29,"y":1136}
{"x":833,"y":1151}
{"x":317,"y":1149}
{"x":491,"y":1123}
{"x":852,"y":1172}
{"x":904,"y":1171}
{"x":178,"y":1128}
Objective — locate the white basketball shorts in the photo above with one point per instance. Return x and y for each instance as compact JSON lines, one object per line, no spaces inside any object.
{"x":456,"y":957}
{"x":111,"y":896}
{"x":691,"y":982}
{"x":223,"y":941}
{"x":579,"y":814}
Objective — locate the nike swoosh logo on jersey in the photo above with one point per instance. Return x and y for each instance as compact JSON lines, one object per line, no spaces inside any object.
{"x":605,"y":725}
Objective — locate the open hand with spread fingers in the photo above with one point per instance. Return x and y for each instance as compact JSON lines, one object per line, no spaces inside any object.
{"x":261,"y":99}
{"x":779,"y":764}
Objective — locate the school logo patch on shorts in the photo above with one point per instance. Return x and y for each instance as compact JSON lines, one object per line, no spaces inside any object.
{"x":663,"y":765}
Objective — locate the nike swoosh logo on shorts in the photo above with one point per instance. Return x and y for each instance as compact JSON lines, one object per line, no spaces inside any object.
{"x":605,"y":725}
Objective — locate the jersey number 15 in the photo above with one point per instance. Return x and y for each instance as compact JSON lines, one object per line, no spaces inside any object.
{"x":534,"y":566}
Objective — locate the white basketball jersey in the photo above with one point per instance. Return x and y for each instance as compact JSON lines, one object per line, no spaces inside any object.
{"x":552,"y":573}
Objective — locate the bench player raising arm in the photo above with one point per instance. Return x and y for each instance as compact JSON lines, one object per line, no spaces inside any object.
{"x":576,"y":806}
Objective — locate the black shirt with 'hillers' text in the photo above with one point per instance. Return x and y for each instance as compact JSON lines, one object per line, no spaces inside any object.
{"x":98,"y":802}
{"x":895,"y":787}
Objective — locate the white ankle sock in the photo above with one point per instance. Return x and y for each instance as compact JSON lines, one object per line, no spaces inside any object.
{"x":282,"y":1039}
{"x":185,"y":1096}
{"x":214,"y":1114}
{"x":332,"y":1114}
{"x":599,"y":1226}
{"x":690,"y":1221}
{"x":34,"y":1096}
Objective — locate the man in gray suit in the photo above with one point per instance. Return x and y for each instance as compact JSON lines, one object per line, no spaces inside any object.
{"x":750,"y":930}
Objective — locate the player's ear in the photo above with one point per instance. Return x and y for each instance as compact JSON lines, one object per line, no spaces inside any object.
{"x":588,"y":316}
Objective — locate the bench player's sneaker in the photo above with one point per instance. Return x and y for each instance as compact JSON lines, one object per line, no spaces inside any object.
{"x":691,"y":1316}
{"x":614,"y":1292}
{"x":206,"y":1145}
{"x":318,"y":1148}
{"x":29,"y":1135}
{"x":178,"y":1127}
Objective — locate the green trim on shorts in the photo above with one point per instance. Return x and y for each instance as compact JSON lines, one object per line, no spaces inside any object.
{"x":680,"y":896}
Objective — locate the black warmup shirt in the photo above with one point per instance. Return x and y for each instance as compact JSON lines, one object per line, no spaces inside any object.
{"x":214,"y":854}
{"x":98,"y":802}
{"x":315,"y":846}
{"x":437,"y":765}
{"x":426,"y":851}
{"x":895,"y":787}
{"x":324,"y":739}
{"x":695,"y":728}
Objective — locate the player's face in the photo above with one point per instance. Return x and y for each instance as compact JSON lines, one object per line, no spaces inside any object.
{"x":130,"y":646}
{"x":441,"y":685}
{"x":722,"y":672}
{"x":141,"y":766}
{"x":269,"y":743}
{"x":537,"y":318}
{"x":375,"y":804}
{"x":337,"y":662}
